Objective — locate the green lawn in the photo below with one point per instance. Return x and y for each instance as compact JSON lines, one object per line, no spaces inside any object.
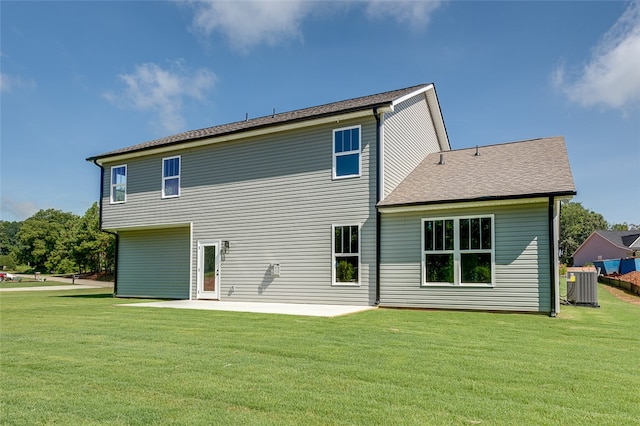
{"x":75,"y":358}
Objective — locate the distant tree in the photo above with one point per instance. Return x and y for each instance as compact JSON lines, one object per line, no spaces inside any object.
{"x":46,"y":239}
{"x":8,"y":236}
{"x":94,"y":249}
{"x":576,"y":224}
{"x":624,"y":227}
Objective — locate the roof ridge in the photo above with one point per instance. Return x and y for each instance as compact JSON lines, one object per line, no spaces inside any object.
{"x":501,"y":144}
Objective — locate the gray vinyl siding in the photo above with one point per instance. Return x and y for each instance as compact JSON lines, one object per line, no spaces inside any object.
{"x":273,"y":198}
{"x":154,"y":263}
{"x":409,"y":136}
{"x":522,"y":280}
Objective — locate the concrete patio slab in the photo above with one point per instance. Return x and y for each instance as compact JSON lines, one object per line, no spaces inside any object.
{"x":301,"y":309}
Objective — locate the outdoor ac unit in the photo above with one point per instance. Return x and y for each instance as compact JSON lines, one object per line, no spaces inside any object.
{"x":582,"y":286}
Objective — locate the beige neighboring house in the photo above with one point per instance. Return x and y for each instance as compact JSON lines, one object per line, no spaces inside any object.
{"x":602,"y":245}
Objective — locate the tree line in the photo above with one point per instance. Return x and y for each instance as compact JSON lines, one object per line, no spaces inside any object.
{"x":54,"y":241}
{"x":60,"y":242}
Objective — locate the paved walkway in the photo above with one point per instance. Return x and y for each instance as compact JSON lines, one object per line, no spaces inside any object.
{"x":79,"y":284}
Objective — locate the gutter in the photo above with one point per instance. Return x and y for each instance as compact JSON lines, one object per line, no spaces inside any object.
{"x":379,"y":189}
{"x":417,"y":204}
{"x":552,"y":259}
{"x":115,"y":234}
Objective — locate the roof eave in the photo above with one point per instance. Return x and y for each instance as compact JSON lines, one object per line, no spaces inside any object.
{"x":417,"y":204}
{"x":249,"y":131}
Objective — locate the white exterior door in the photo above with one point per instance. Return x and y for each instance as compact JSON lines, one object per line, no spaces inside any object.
{"x":208,"y":270}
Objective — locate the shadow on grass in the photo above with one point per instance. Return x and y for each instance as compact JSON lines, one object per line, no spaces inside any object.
{"x":90,"y":296}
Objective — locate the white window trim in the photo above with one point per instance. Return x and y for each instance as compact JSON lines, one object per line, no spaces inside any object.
{"x":172,"y":177}
{"x":335,"y":154}
{"x":113,"y":185}
{"x":334,"y":283}
{"x":457,"y":264}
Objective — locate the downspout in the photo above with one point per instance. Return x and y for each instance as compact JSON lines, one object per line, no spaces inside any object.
{"x":115,"y":234}
{"x":552,"y":259}
{"x":379,"y":190}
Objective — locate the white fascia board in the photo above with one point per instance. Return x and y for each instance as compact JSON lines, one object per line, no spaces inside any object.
{"x":436,"y":114}
{"x":411,"y":95}
{"x":239,"y":135}
{"x":462,"y":205}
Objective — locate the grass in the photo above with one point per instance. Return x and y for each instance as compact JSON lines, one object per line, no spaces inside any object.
{"x":75,"y":358}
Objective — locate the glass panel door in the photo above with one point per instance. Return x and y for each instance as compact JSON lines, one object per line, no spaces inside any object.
{"x":208,"y":270}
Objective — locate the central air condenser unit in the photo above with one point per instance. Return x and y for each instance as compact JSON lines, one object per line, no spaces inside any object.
{"x":582,"y":286}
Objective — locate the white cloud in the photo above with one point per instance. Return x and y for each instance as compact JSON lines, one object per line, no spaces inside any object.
{"x":612,"y":75}
{"x":10,"y":82}
{"x":153,"y":88}
{"x":416,"y":14}
{"x":247,"y":24}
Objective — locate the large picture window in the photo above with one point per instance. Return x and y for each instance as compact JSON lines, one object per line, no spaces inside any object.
{"x":171,"y":177}
{"x":458,"y":251}
{"x":118,"y":184}
{"x":346,"y":152}
{"x":346,"y":255}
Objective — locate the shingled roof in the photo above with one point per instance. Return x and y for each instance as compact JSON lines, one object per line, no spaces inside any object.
{"x":532,"y":168}
{"x":626,"y":239}
{"x":320,"y":111}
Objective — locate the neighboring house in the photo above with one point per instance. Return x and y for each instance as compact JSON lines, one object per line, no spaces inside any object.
{"x":601,"y":245}
{"x":334,"y":204}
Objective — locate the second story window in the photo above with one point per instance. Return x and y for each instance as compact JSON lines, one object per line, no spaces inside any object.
{"x":346,"y":152}
{"x":171,"y":177}
{"x":118,"y":184}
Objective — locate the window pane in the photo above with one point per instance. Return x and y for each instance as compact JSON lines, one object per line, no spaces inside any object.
{"x":338,"y":142}
{"x":428,"y":235}
{"x":439,"y":235}
{"x":355,"y":139}
{"x":448,"y":234}
{"x":171,"y":167}
{"x":346,"y":235}
{"x":347,"y":269}
{"x":171,"y":187}
{"x":486,"y":232}
{"x":118,"y":193}
{"x":354,"y":239}
{"x":347,"y":140}
{"x":464,"y":234}
{"x":439,"y":268}
{"x":338,"y":239}
{"x":347,"y":165}
{"x":475,"y":233}
{"x":476,"y":268}
{"x":119,"y":175}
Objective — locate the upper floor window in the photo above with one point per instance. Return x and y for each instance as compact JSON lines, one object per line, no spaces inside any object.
{"x":458,"y":250}
{"x":118,"y":184}
{"x":171,"y":177}
{"x":346,"y":152}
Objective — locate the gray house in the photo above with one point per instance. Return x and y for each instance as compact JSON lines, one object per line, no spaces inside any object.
{"x":343,"y":203}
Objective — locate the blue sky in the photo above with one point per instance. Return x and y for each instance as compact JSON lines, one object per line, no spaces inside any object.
{"x":81,"y":78}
